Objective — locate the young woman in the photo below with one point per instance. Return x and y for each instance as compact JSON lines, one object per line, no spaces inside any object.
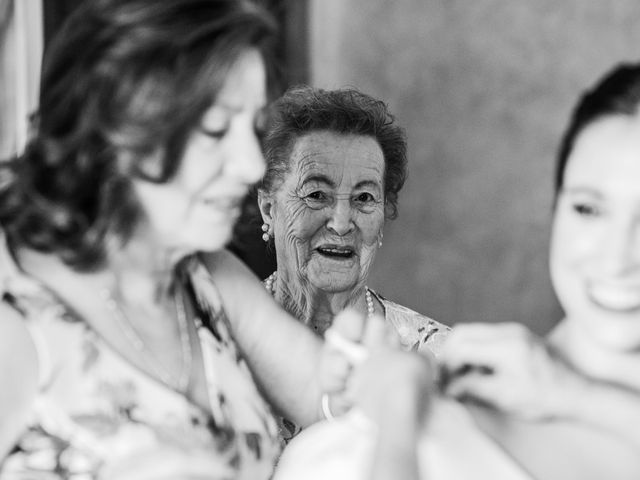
{"x":595,"y":268}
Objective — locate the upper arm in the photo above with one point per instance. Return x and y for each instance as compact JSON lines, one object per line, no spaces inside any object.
{"x":18,"y":377}
{"x":282,"y":353}
{"x":254,"y":315}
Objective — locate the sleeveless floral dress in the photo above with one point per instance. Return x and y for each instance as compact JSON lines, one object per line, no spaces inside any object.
{"x":95,"y":411}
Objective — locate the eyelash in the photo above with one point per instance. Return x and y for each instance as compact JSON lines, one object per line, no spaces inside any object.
{"x":586,"y":210}
{"x":317,"y":196}
{"x":367,"y":195}
{"x":259,"y":129}
{"x":215,"y":134}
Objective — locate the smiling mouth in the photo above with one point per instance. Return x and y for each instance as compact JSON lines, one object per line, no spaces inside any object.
{"x":334,"y":252}
{"x":616,"y":299}
{"x":223,"y":203}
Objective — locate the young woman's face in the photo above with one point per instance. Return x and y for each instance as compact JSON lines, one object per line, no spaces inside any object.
{"x":328,"y":214}
{"x":196,"y":210}
{"x":595,"y":248}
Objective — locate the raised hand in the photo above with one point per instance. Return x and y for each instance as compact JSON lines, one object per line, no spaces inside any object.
{"x":508,"y":367}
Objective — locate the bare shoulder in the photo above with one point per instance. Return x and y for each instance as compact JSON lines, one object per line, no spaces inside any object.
{"x":18,"y":375}
{"x":226,"y":266}
{"x":18,"y":355}
{"x":13,"y":329}
{"x":236,"y":284}
{"x":564,"y":450}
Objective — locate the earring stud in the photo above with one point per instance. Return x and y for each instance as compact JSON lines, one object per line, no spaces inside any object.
{"x":265,"y":229}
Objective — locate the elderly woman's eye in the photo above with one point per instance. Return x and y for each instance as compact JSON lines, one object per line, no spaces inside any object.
{"x":316,"y":199}
{"x":365,"y":197}
{"x":317,"y":196}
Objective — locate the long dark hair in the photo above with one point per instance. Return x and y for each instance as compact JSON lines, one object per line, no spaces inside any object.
{"x":617,"y":93}
{"x":124,"y":83}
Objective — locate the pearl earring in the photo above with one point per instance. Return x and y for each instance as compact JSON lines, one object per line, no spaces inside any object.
{"x":265,"y":229}
{"x":380,"y":240}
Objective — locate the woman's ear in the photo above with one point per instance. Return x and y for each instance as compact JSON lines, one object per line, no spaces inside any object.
{"x":265,"y":204}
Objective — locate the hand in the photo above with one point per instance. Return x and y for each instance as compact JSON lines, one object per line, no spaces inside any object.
{"x":509,"y":368}
{"x":336,"y":363}
{"x":393,"y":383}
{"x":363,"y":365}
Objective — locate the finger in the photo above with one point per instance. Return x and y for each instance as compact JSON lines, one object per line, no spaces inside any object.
{"x":477,"y":386}
{"x":338,"y":369}
{"x":476,"y":345}
{"x":351,"y":351}
{"x":350,"y":324}
{"x":376,"y":333}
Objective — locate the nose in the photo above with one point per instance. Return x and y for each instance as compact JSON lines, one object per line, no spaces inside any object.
{"x":340,"y":220}
{"x":620,"y":249}
{"x":247,"y":163}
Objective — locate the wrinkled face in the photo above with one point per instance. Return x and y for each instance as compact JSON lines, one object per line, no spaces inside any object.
{"x":328,"y":214}
{"x":196,"y":209}
{"x":595,"y":248}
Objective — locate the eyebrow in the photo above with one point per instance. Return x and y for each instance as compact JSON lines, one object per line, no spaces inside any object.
{"x":318,"y":178}
{"x":233,"y":109}
{"x":366,"y":183}
{"x":581,"y":191}
{"x":326,"y":180}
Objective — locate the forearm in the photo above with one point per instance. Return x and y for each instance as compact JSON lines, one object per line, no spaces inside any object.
{"x":282,"y":354}
{"x":395,"y":454}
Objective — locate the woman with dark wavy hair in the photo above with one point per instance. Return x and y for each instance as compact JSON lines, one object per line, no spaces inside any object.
{"x":118,"y":303}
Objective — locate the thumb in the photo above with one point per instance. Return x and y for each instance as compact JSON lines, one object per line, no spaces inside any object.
{"x":376,"y":333}
{"x":350,"y":325}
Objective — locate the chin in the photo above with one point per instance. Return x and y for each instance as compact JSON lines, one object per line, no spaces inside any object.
{"x":614,"y":332}
{"x":334,"y":285}
{"x":209,"y":241}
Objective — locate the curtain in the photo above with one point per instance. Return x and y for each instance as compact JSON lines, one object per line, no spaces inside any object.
{"x":21,"y":43}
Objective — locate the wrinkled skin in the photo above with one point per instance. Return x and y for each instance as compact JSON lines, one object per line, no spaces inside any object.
{"x":326,"y":218}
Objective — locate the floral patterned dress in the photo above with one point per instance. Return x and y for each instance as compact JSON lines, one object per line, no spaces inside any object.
{"x":416,"y":332}
{"x":95,"y":410}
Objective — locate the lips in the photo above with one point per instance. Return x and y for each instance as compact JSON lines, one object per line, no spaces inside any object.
{"x":336,"y":251}
{"x":616,"y":298}
{"x":223,"y":203}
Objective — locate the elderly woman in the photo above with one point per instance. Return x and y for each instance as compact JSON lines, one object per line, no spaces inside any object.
{"x":120,"y":313}
{"x":578,"y":407}
{"x":336,"y":161}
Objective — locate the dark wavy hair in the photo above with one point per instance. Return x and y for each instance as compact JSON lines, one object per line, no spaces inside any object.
{"x":124,"y":83}
{"x":304,"y":109}
{"x":617,"y":93}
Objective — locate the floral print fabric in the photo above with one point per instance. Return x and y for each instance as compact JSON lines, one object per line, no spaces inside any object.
{"x":95,"y":411}
{"x":416,"y":331}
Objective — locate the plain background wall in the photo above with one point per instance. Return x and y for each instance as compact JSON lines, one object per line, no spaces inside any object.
{"x":484,"y":89}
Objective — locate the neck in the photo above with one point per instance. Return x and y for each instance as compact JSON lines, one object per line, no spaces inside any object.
{"x":594,"y":360}
{"x":314,"y":307}
{"x":142,"y":269}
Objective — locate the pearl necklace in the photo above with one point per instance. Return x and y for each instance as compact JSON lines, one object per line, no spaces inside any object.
{"x":269,"y":284}
{"x":151,"y":361}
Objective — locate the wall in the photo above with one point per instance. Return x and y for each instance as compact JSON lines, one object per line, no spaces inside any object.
{"x":484,"y":89}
